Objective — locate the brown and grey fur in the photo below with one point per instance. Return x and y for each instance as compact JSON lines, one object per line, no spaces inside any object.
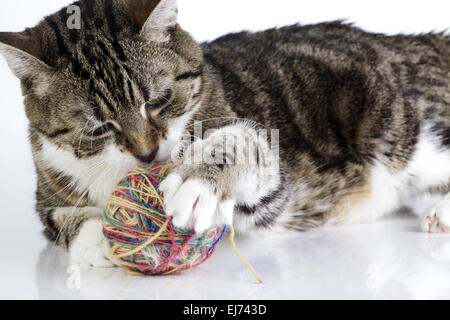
{"x":342,"y":99}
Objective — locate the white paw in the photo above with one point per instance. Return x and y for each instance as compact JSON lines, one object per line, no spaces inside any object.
{"x":90,"y":247}
{"x":437,"y":218}
{"x":194,"y":205}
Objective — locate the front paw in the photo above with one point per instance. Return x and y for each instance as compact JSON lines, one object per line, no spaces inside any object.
{"x":90,"y":248}
{"x":437,"y":218}
{"x":195,"y":201}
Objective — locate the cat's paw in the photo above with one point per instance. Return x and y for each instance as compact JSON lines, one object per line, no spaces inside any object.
{"x":90,"y":247}
{"x":437,"y":218}
{"x":195,"y":203}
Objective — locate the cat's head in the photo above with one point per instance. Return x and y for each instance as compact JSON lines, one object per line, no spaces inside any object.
{"x":104,"y":74}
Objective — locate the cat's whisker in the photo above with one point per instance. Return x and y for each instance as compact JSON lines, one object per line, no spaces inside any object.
{"x":77,"y":204}
{"x":87,"y":172}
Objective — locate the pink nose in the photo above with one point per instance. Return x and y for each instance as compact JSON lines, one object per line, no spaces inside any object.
{"x":147,"y":158}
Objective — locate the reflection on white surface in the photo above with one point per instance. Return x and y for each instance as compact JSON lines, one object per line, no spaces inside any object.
{"x":387,"y":260}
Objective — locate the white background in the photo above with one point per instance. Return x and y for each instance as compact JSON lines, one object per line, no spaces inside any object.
{"x":365,"y":261}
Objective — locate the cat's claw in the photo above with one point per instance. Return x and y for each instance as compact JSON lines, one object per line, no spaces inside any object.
{"x":195,"y":204}
{"x":90,"y":248}
{"x":437,"y":218}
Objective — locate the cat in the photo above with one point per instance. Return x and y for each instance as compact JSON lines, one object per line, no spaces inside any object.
{"x":363,"y":121}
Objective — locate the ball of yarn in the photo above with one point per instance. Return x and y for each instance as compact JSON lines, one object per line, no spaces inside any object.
{"x":143,"y":237}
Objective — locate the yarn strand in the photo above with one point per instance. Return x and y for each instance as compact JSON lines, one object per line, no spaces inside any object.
{"x":142,"y":246}
{"x":233,"y":244}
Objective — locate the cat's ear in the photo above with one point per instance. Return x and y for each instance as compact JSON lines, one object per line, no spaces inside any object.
{"x":23,"y":53}
{"x":155,"y":18}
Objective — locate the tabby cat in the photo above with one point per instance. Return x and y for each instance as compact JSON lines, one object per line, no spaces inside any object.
{"x":363,"y":120}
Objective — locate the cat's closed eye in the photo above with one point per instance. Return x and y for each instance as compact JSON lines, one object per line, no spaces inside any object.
{"x":154,"y":107}
{"x":104,"y":129}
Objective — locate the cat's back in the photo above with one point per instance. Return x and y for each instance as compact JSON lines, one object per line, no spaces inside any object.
{"x":337,"y":87}
{"x":316,"y":57}
{"x":331,"y":41}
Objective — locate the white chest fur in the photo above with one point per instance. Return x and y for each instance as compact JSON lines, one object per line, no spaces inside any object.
{"x":94,"y":177}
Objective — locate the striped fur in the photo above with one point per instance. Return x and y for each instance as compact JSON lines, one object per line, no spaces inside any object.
{"x":347,"y":103}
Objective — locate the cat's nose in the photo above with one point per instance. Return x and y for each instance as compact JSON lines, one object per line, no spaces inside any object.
{"x":148,"y":157}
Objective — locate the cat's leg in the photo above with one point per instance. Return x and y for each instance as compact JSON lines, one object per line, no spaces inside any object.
{"x":437,"y":218}
{"x":231,"y":177}
{"x":80,"y":231}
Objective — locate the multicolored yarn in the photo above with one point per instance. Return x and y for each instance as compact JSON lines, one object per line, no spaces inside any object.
{"x":143,"y":237}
